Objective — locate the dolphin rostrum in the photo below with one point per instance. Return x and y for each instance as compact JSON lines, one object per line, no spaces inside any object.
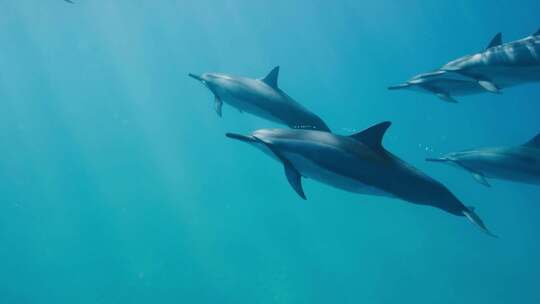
{"x":498,"y":66}
{"x":357,"y":163}
{"x":261,"y":97}
{"x":519,"y":164}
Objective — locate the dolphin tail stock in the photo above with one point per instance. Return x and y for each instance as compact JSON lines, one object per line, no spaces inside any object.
{"x":320,"y":125}
{"x":316,"y":124}
{"x":475,"y":219}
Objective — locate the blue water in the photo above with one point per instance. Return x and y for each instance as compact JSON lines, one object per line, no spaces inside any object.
{"x":118,"y":185}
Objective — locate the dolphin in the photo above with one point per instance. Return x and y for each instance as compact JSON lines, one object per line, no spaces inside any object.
{"x":358,"y":163}
{"x":69,"y":1}
{"x":499,"y":66}
{"x":518,"y":164}
{"x":261,"y":97}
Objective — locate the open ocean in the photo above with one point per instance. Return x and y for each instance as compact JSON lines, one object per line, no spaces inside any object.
{"x":118,"y":185}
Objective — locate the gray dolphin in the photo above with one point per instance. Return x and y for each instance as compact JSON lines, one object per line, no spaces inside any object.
{"x":498,"y":66}
{"x":260,"y":97}
{"x":519,"y":164}
{"x":357,"y":163}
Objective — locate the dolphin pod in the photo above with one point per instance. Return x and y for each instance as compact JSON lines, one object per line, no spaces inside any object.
{"x":519,"y":164}
{"x":359,"y":163}
{"x":500,"y":65}
{"x":260,"y":97}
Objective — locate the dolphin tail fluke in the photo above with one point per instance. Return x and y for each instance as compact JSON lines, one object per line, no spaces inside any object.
{"x":475,"y":219}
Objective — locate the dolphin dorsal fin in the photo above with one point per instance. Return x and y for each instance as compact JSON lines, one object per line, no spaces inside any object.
{"x":534,"y":143}
{"x":373,"y":136}
{"x":272,"y":78}
{"x":496,"y":41}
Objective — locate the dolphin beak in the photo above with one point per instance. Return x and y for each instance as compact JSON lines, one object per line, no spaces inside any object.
{"x":437,"y":160}
{"x":399,"y":86}
{"x":196,"y":77}
{"x":240,"y":137}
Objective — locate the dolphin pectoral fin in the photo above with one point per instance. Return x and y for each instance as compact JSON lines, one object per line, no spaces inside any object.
{"x":484,"y":83}
{"x":218,"y":104}
{"x":446,"y":97}
{"x":294,"y":178}
{"x":475,"y":219}
{"x":489,"y":86}
{"x":479,"y":177}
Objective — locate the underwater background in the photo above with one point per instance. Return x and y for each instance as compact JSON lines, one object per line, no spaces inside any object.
{"x":118,"y":184}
